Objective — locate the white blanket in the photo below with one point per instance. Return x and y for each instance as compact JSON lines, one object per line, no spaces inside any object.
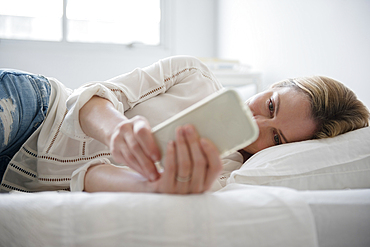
{"x":239,"y":215}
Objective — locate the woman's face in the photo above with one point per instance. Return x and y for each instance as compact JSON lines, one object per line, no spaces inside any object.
{"x":283,"y":115}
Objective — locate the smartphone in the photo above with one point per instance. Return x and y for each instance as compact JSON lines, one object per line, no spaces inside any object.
{"x":221,"y":117}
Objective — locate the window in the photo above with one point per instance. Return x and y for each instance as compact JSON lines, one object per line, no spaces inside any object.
{"x":34,"y":20}
{"x":86,"y":21}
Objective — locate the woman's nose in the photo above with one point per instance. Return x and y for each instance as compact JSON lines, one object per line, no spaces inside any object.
{"x":263,"y":122}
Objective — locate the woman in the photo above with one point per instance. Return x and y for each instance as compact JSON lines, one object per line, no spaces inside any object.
{"x":86,"y":131}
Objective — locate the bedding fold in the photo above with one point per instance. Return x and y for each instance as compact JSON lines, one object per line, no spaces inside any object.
{"x":238,"y":215}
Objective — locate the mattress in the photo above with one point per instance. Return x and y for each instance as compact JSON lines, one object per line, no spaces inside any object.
{"x":342,"y":217}
{"x":238,"y":215}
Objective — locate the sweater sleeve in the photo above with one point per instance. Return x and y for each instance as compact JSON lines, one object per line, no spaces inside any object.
{"x":127,"y":90}
{"x":230,"y":163}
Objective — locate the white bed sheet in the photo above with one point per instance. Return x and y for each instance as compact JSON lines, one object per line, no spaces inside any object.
{"x":342,"y":217}
{"x":236,"y":216}
{"x":239,"y":215}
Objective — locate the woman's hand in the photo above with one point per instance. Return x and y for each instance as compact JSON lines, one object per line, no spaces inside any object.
{"x":133,"y":144}
{"x":192,"y":164}
{"x":130,"y":140}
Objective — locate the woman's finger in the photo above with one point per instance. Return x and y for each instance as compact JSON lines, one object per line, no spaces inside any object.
{"x":144,"y":136}
{"x":137,"y":156}
{"x":214,"y":162}
{"x":184,"y":164}
{"x":198,"y":160}
{"x":122,"y":155}
{"x":168,"y":178}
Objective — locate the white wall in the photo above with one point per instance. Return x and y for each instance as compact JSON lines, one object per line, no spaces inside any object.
{"x":191,"y":31}
{"x":284,"y":38}
{"x":289,"y":38}
{"x":194,"y":27}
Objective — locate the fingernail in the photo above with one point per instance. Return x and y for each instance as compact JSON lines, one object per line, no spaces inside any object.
{"x":152,"y":177}
{"x":189,"y":129}
{"x":203,"y":142}
{"x":155,"y":158}
{"x":170,"y":144}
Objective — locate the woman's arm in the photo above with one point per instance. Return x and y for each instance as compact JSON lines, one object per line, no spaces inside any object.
{"x":106,"y":177}
{"x":129,"y":140}
{"x":192,"y":164}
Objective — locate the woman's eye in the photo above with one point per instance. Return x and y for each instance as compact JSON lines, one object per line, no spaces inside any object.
{"x":271,"y":106}
{"x":277,"y":139}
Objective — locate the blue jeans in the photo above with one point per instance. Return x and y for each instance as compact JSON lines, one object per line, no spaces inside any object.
{"x":24,"y":101}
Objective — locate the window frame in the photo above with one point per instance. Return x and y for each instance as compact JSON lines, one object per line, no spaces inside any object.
{"x":163,"y":48}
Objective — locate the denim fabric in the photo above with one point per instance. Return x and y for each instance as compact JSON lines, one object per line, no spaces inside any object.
{"x":24,"y":101}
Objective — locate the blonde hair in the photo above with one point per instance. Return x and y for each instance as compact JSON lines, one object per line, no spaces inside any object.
{"x":334,"y":107}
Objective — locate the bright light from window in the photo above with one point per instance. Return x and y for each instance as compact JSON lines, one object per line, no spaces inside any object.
{"x":112,"y":21}
{"x":93,"y":21}
{"x":35,"y":20}
{"x":33,"y":8}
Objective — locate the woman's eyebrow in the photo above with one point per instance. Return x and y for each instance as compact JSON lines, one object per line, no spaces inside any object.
{"x":277,"y":104}
{"x":277,"y":110}
{"x":281,"y":133}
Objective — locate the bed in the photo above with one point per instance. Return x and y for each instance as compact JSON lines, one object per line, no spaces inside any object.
{"x":311,"y":193}
{"x":239,"y":215}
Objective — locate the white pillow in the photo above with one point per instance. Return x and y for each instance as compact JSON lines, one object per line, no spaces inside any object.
{"x":342,"y":162}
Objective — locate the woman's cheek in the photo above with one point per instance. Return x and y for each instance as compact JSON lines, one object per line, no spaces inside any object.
{"x":254,"y":147}
{"x":260,"y":144}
